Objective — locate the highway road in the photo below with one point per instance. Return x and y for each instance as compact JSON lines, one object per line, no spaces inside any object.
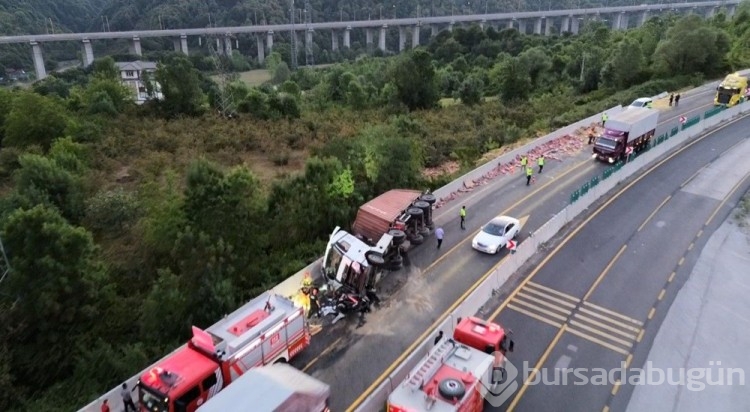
{"x":354,"y":360}
{"x":598,"y":298}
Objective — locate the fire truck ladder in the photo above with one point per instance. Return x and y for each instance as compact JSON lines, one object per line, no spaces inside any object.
{"x":432,"y":364}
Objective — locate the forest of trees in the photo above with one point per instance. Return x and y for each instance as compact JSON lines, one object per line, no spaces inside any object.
{"x":126,"y":224}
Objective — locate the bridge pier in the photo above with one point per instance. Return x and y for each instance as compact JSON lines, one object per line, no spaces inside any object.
{"x":269,"y":41}
{"x":381,"y":39}
{"x":643,"y":18}
{"x":450,"y":26}
{"x":183,"y":44}
{"x":228,"y":46}
{"x":509,"y":24}
{"x":547,"y":26}
{"x":135,"y":46}
{"x":616,"y":21}
{"x":538,"y":26}
{"x":415,"y":36}
{"x":522,"y":26}
{"x":368,"y":39}
{"x":434,"y":29}
{"x":574,"y":24}
{"x":261,"y":49}
{"x":36,"y":54}
{"x":565,"y":26}
{"x":176,"y":44}
{"x":334,"y":41}
{"x":731,"y":9}
{"x":347,"y":37}
{"x":710,"y":12}
{"x":624,"y":21}
{"x":219,"y":49}
{"x":482,"y":24}
{"x":309,"y":39}
{"x":401,"y":38}
{"x":88,"y":53}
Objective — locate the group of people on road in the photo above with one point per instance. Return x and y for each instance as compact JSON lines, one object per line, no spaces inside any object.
{"x":674,"y":98}
{"x":527,"y":168}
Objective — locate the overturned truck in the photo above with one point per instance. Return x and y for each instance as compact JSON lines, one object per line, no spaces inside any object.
{"x":384,"y":229}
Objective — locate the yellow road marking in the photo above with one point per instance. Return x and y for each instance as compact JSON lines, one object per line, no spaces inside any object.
{"x":651,"y":313}
{"x":603,"y":334}
{"x":653,"y":213}
{"x":613,"y":313}
{"x":700,"y":232}
{"x":609,"y":319}
{"x":597,"y":341}
{"x":535,"y":316}
{"x":616,"y":388}
{"x":620,"y":332}
{"x":628,"y":360}
{"x":547,"y":258}
{"x":681,"y":261}
{"x":604,"y":272}
{"x":605,"y":409}
{"x":555,"y":291}
{"x":534,"y":371}
{"x":323,"y":353}
{"x":506,"y":211}
{"x":661,"y":294}
{"x":538,"y":309}
{"x":548,"y":297}
{"x":671,"y":277}
{"x":640,"y":335}
{"x":724,"y":201}
{"x":692,"y":245}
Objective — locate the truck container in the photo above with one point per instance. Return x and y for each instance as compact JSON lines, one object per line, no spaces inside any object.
{"x":273,"y":388}
{"x":456,"y":373}
{"x":632,"y":128}
{"x":268,"y":329}
{"x":732,"y":90}
{"x":384,"y":228}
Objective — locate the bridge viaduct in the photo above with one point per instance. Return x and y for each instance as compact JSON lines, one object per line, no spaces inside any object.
{"x":539,"y":22}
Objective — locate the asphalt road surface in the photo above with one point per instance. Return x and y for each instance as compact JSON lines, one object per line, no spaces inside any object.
{"x":354,"y":360}
{"x":598,"y":298}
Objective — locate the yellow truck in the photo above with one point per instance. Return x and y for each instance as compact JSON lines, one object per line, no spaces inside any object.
{"x":731,"y":91}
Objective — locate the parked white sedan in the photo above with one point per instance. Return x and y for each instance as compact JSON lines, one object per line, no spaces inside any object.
{"x":495,"y":235}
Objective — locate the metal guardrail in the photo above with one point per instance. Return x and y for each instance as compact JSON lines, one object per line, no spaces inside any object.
{"x":378,"y":398}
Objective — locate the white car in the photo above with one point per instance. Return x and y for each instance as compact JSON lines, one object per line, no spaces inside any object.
{"x":495,"y":235}
{"x":642,"y":102}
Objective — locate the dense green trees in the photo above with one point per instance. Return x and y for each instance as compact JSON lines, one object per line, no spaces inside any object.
{"x":129,"y":224}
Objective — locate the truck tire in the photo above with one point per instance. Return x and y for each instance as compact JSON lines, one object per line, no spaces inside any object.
{"x":399,"y":236}
{"x":451,"y":389}
{"x":415,"y":212}
{"x":421,"y":204}
{"x":375,"y":259}
{"x":417,"y":239}
{"x":429,"y":198}
{"x":396,"y":262}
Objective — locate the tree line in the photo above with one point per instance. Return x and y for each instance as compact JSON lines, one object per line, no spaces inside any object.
{"x":126,"y":224}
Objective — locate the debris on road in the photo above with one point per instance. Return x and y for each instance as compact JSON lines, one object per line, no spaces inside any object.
{"x":556,"y":149}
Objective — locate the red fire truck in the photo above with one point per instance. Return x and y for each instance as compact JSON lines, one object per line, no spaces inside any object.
{"x":451,"y":376}
{"x":268,"y":329}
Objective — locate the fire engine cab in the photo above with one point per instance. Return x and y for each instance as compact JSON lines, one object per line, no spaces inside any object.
{"x":456,"y":372}
{"x":266,"y":330}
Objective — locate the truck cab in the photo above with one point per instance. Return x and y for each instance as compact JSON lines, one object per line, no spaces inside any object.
{"x":349,"y":261}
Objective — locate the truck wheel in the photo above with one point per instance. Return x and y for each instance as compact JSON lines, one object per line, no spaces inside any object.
{"x":417,"y":239}
{"x":425,"y":232}
{"x":375,"y":259}
{"x":415,"y":212}
{"x":429,"y":198}
{"x":451,"y":389}
{"x":396,"y":262}
{"x":399,"y":236}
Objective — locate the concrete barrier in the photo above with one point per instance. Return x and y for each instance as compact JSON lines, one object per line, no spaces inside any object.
{"x":379,"y":397}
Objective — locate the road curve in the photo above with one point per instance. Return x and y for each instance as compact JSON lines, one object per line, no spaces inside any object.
{"x":598,"y":299}
{"x":354,"y":360}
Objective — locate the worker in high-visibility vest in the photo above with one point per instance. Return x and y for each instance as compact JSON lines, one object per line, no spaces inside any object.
{"x":529,"y":172}
{"x":307,"y":284}
{"x":524,"y":161}
{"x":540,"y":162}
{"x":605,"y":117}
{"x":462,"y":215}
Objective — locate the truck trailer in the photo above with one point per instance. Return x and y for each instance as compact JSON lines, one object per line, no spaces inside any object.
{"x":632,"y":128}
{"x":731,"y":91}
{"x":384,"y":228}
{"x":273,"y":388}
{"x":457,"y":373}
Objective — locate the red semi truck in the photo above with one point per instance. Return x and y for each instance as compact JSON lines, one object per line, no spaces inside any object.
{"x":384,"y":228}
{"x":631,"y":128}
{"x":456,"y":372}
